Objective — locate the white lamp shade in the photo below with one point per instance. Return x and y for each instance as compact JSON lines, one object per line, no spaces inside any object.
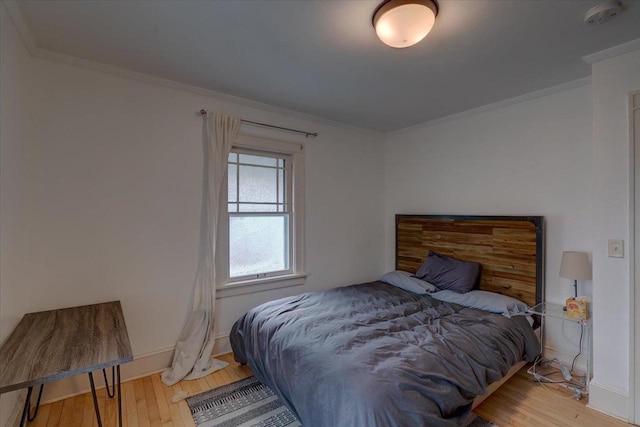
{"x":403,"y":23}
{"x":575,"y":266}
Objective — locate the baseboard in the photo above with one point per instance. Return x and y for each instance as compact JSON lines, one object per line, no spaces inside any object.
{"x":609,"y":400}
{"x":142,"y":365}
{"x":223,"y":345}
{"x":566,"y":357}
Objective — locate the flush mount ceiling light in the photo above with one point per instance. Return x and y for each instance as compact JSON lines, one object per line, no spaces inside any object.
{"x":403,"y":23}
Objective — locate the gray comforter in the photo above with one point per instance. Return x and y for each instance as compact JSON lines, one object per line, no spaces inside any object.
{"x":375,"y":355}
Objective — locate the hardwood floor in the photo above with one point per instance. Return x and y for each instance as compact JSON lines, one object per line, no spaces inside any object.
{"x":145,"y":402}
{"x":520,"y":402}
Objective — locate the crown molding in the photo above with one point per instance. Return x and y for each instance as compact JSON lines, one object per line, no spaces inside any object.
{"x":585,"y":81}
{"x":620,"y":49}
{"x":184,"y":87}
{"x":37,"y":52}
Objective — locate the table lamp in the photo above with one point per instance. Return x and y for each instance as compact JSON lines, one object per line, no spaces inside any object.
{"x":575,"y":266}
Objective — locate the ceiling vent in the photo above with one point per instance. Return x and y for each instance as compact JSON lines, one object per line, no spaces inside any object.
{"x":602,"y":12}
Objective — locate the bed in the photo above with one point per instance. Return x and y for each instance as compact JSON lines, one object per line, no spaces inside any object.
{"x":376,"y":355}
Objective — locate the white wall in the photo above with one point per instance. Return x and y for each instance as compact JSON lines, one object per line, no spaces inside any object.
{"x":101,"y":187}
{"x":613,"y":79}
{"x":15,"y":206}
{"x":531,"y":158}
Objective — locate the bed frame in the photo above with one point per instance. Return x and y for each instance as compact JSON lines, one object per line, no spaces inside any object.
{"x":509,"y":248}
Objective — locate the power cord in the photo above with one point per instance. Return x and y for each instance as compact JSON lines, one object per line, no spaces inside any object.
{"x":577,"y":388}
{"x":573,"y":364}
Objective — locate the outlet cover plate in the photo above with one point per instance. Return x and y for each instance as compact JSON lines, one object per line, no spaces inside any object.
{"x":616,"y":248}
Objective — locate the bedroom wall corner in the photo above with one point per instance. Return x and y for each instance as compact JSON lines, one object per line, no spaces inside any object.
{"x":15,"y":130}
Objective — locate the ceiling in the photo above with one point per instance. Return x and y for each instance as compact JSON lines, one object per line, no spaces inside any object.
{"x":323,"y":57}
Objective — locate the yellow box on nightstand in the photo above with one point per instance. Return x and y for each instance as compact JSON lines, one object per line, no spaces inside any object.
{"x":577,"y":309}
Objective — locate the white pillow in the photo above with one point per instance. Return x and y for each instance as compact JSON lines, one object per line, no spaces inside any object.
{"x":483,"y":300}
{"x":404,"y":280}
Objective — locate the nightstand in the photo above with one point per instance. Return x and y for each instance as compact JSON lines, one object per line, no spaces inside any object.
{"x":544,"y":370}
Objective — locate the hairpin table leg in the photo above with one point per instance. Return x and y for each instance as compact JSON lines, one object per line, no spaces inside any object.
{"x":26,"y":412}
{"x":119,"y":397}
{"x":26,"y":407}
{"x":110,"y":392}
{"x":115,"y":385}
{"x":95,"y":399}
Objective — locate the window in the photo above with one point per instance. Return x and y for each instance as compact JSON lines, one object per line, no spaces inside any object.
{"x":262,"y":243}
{"x":259,"y":214}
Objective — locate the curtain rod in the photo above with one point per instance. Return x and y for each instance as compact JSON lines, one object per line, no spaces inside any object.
{"x":305,"y":133}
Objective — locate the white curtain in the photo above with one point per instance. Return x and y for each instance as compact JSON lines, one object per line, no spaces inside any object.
{"x":192,"y":357}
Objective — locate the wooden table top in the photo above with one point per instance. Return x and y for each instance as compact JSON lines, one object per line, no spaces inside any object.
{"x":50,"y":345}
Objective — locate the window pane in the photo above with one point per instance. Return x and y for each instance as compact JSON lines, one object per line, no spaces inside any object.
{"x":232,"y":207}
{"x":280,"y":185}
{"x":258,"y":184}
{"x":249,"y":207}
{"x":258,"y":244}
{"x":233,"y":157}
{"x":233,"y":183}
{"x":258,"y":160}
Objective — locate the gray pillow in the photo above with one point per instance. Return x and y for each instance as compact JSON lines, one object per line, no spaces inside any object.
{"x":404,"y":280}
{"x":449,"y":273}
{"x":483,"y":300}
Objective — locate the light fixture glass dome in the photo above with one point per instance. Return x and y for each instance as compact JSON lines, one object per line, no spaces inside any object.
{"x":403,"y":23}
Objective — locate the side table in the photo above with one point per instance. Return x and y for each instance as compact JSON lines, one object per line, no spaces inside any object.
{"x":547,"y":310}
{"x":51,"y":345}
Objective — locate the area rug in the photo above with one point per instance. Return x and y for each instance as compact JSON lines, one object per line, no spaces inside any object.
{"x":249,"y":403}
{"x":481,"y":422}
{"x":243,"y":403}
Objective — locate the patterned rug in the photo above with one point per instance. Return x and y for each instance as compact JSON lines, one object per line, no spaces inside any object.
{"x":243,"y":403}
{"x":249,"y":403}
{"x":481,"y":422}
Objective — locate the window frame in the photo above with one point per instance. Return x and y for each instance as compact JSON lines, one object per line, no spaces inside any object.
{"x":287,"y":209}
{"x":295,"y":275}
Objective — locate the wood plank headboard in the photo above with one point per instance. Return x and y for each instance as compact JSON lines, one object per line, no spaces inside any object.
{"x":510,"y":249}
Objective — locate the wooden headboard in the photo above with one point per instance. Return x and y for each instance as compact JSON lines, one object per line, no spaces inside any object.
{"x":510,"y":249}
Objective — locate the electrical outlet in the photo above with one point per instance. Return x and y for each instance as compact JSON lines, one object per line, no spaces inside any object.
{"x":616,"y":248}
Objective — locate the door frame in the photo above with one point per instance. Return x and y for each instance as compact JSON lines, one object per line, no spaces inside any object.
{"x":634,"y":257}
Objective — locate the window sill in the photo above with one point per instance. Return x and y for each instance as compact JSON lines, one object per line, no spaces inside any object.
{"x":259,"y":285}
